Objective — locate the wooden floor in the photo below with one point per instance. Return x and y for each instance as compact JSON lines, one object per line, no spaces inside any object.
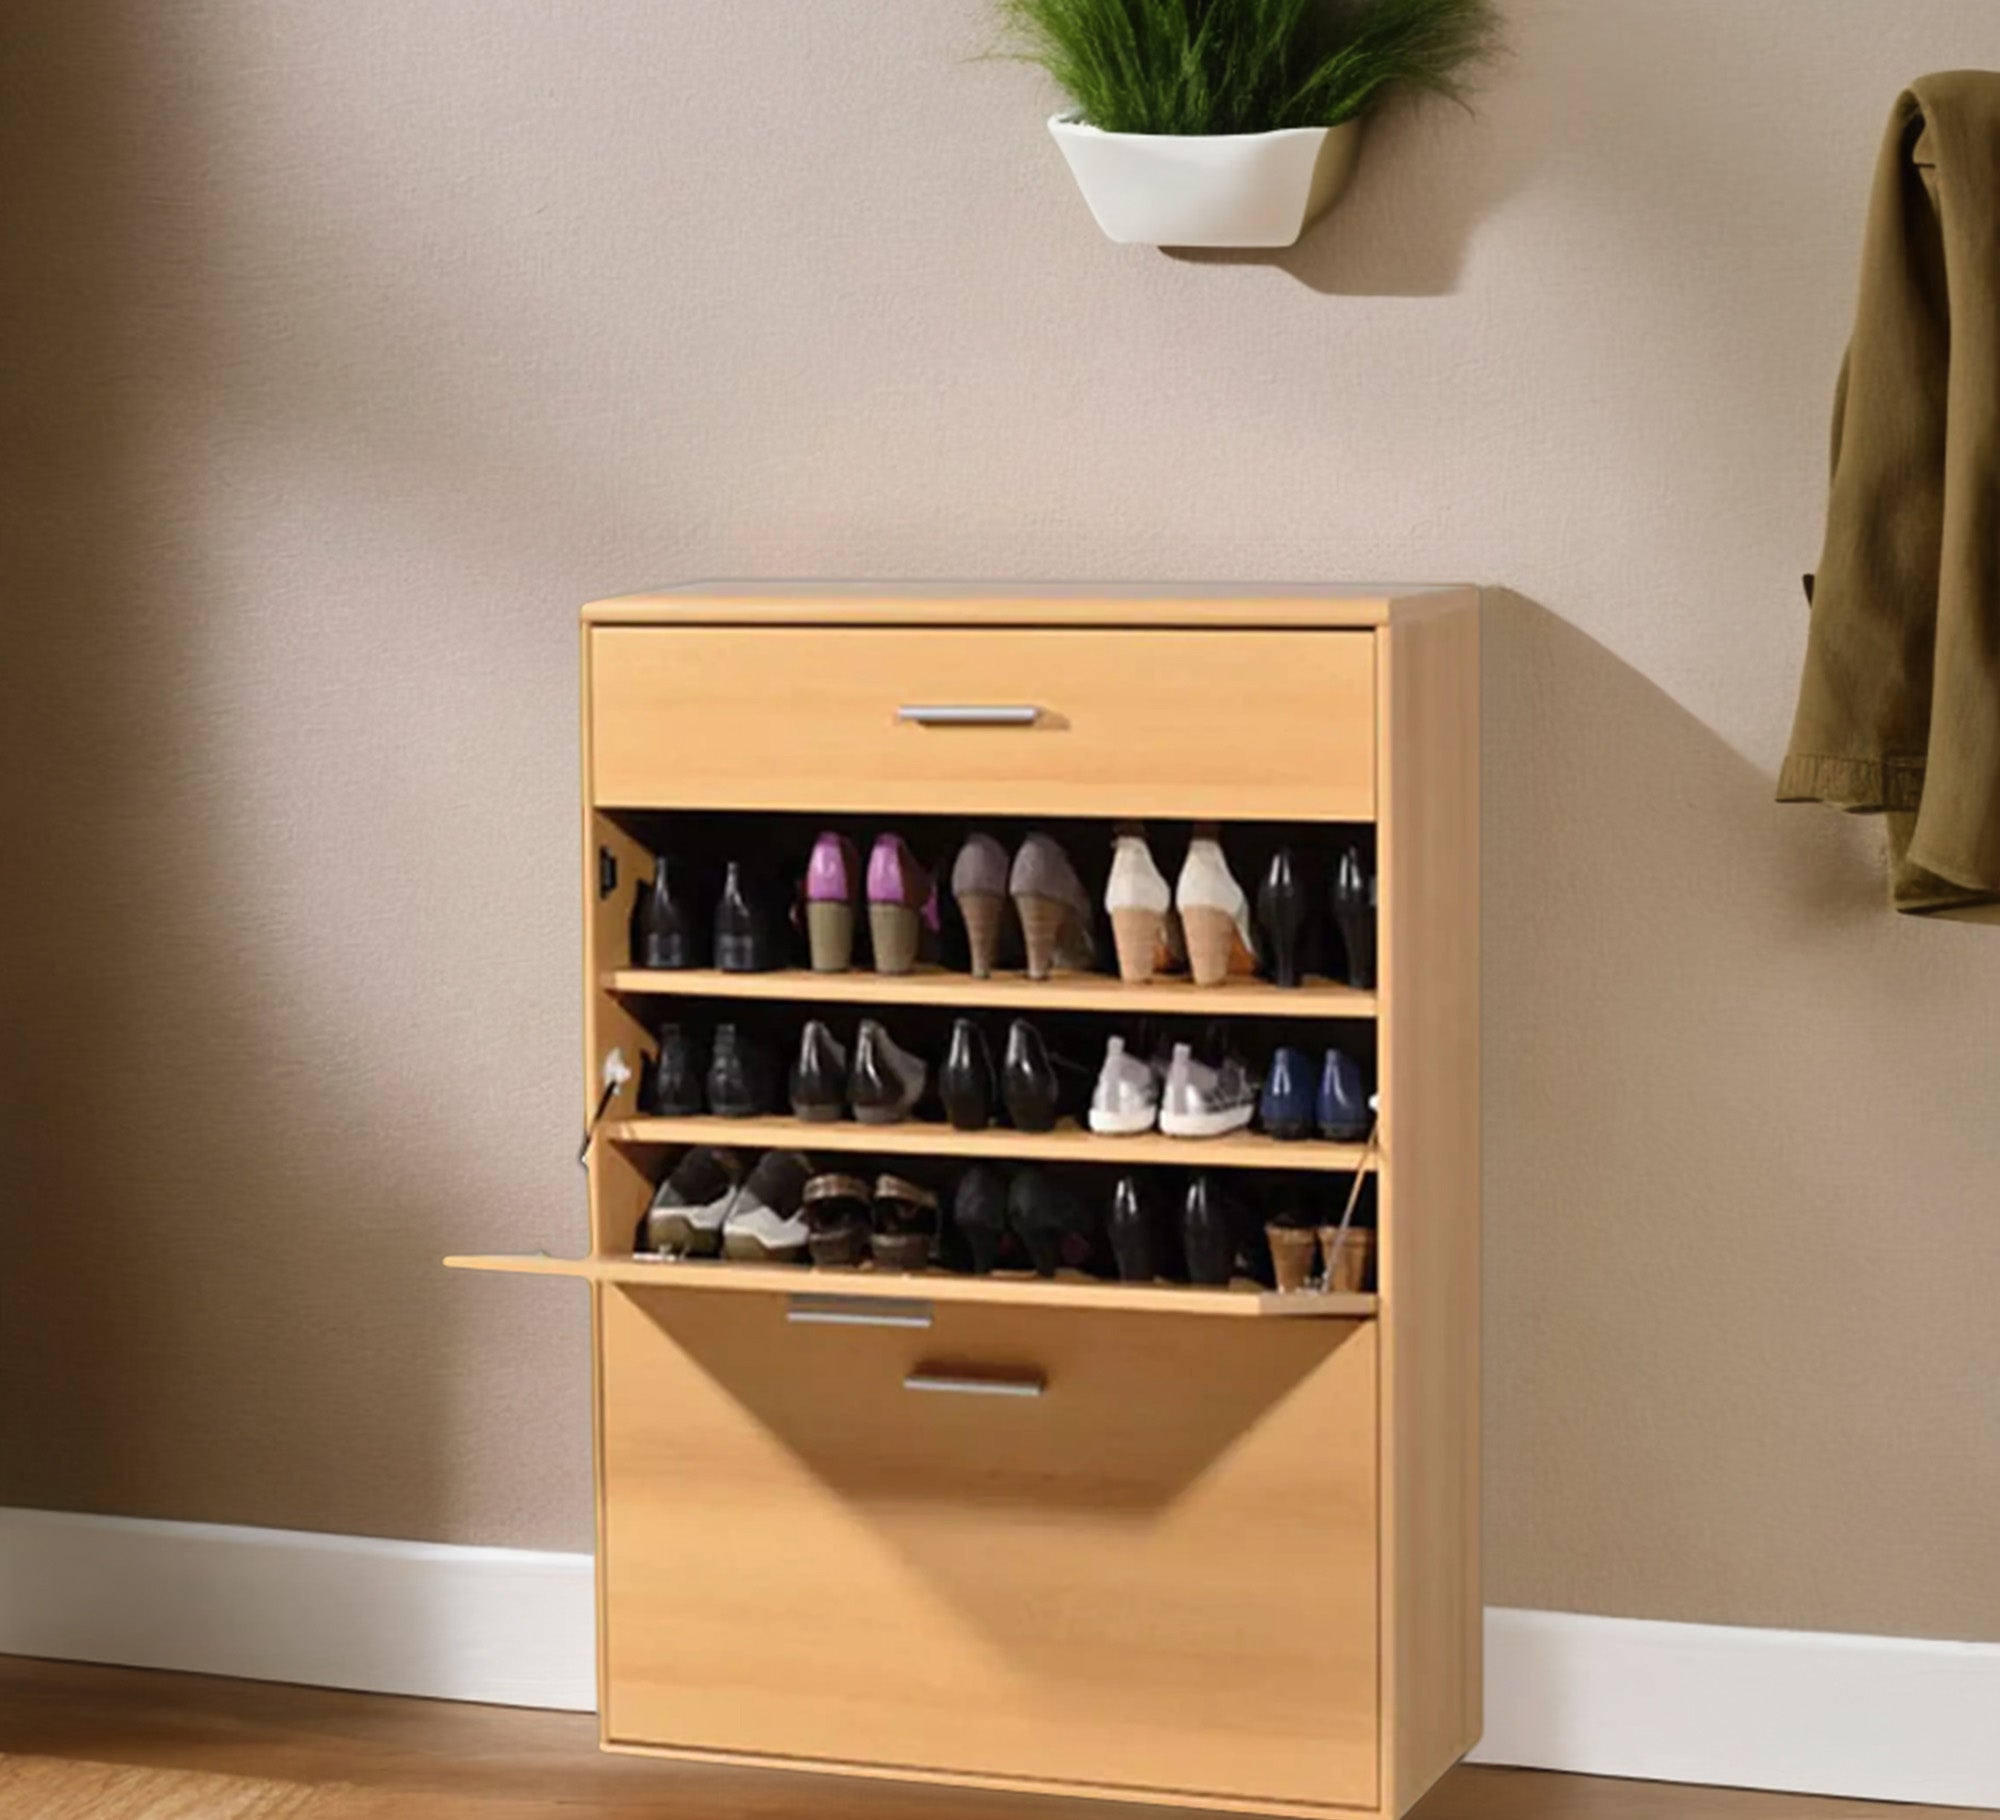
{"x":81,"y":1743}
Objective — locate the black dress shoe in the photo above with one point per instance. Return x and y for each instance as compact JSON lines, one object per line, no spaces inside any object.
{"x":1136,"y":1238}
{"x":1057,"y":1225}
{"x":1281,"y":918}
{"x":673,"y":1089}
{"x":749,"y":925}
{"x":819,"y":1075}
{"x":1028,"y":1079}
{"x":1211,"y":1222}
{"x":739,"y":1076}
{"x":979,"y":1211}
{"x":665,"y":923}
{"x":1354,"y":917}
{"x":886,"y":1080}
{"x":965,"y":1082}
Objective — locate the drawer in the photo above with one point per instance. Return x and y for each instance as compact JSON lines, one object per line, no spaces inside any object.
{"x":1158,"y":1575}
{"x":1277,"y":725}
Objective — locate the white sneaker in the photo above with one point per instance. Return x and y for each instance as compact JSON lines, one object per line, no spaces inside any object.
{"x":1215,"y":915}
{"x":1201,"y":1101}
{"x":1143,"y":924}
{"x":1127,"y":1098}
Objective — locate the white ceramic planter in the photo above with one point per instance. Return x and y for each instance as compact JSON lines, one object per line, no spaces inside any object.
{"x":1223,"y":189}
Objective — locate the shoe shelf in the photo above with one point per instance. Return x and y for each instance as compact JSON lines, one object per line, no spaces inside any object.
{"x":1050,"y":1527}
{"x":876,"y":1288}
{"x":1068,"y":1143}
{"x":1315,"y":998}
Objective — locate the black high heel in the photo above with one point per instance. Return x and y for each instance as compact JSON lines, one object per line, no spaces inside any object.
{"x":965,"y":1082}
{"x":1028,"y":1079}
{"x":1055,"y":1223}
{"x":979,"y":1211}
{"x":1354,"y":916}
{"x":1209,"y":1223}
{"x":1281,"y":917}
{"x":1134,"y":1229}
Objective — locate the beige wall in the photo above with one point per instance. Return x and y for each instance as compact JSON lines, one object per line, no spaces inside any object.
{"x":359,"y":343}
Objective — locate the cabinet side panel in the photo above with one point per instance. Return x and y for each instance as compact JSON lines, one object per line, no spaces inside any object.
{"x":1428,"y":695}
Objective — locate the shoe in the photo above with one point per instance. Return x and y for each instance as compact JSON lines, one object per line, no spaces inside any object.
{"x":836,"y":1213}
{"x":1210,"y":1219}
{"x":902,"y":903}
{"x":818,"y":1084}
{"x":833,"y":892}
{"x":1204,"y":1102}
{"x":1354,"y":917}
{"x":1028,"y":1082}
{"x":965,"y":1082}
{"x":664,"y":920}
{"x":739,"y":1076}
{"x":886,"y":1080}
{"x":748,"y":928}
{"x":766,"y":1222}
{"x":1294,"y":1252}
{"x":979,"y":889}
{"x":1286,"y":1108}
{"x":979,"y":1211}
{"x":1281,"y":918}
{"x":1342,"y":1112}
{"x":1215,"y":914}
{"x":1053,"y":906}
{"x":1144,"y":928}
{"x":904,"y":1222}
{"x":1134,"y":1225}
{"x":684,"y":1217}
{"x":1348,"y":1259}
{"x":674,"y":1088}
{"x":1053,"y":1222}
{"x":1127,"y":1096}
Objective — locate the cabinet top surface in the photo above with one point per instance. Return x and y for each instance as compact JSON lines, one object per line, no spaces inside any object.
{"x":865,"y":603}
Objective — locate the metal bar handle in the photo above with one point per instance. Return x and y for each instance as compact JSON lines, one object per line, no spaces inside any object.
{"x":967,"y":1385}
{"x":857,"y":1311}
{"x":968,"y":714}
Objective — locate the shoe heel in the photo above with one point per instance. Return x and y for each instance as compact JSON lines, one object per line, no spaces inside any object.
{"x":901,"y":1250}
{"x":1134,"y":1257}
{"x":830,"y":934}
{"x":838,"y":1250}
{"x":1136,"y":935}
{"x":1294,"y":1252}
{"x":1044,"y":1252}
{"x":1042,"y":920}
{"x":1211,"y":940}
{"x":742,"y":1248}
{"x":984,"y":1245}
{"x":984,"y":911}
{"x":743,"y":954}
{"x":896,"y":931}
{"x":1281,"y":939}
{"x":1348,"y":1273}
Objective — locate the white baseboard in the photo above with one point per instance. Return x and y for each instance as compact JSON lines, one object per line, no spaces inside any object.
{"x":1881,"y":1718}
{"x":504,"y":1626}
{"x":1874,"y":1718}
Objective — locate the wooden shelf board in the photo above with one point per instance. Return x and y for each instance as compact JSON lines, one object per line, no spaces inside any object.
{"x":1317,"y":998}
{"x":1068,"y":1143}
{"x":1241,"y":1301}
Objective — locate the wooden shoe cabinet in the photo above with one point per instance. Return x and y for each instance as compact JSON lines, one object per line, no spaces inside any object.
{"x":1206,"y":1548}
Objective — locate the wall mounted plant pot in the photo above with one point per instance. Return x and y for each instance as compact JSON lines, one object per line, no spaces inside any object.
{"x":1220,"y":189}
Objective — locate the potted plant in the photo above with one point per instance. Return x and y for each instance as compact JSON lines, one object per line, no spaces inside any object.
{"x":1233,"y":122}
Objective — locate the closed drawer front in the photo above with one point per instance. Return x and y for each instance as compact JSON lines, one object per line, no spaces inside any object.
{"x":1157,"y":1575}
{"x":1279,"y":725}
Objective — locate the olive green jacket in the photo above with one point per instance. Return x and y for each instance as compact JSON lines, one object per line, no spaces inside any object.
{"x":1899,"y":706}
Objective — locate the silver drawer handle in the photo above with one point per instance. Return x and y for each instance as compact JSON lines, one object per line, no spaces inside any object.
{"x":968,"y":714}
{"x":857,"y":1311}
{"x":974,"y":1387}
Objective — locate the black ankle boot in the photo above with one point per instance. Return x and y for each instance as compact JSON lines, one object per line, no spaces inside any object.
{"x":1135,"y":1231}
{"x":965,"y":1082}
{"x":1209,"y":1224}
{"x":979,"y":1211}
{"x":664,"y":932}
{"x":1354,"y":916}
{"x":1028,"y":1079}
{"x":1057,"y":1225}
{"x":1281,"y":918}
{"x":819,"y":1075}
{"x":748,"y":927}
{"x":675,"y":1087}
{"x":739,"y":1076}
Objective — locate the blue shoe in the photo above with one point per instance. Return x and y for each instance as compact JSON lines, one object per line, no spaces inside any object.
{"x":1343,"y":1099}
{"x":1286,"y":1109}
